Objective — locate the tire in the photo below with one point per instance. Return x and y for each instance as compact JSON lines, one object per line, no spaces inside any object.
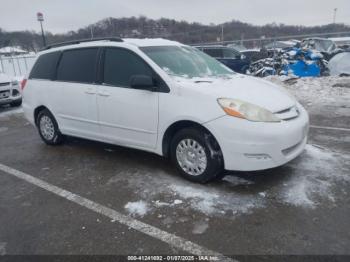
{"x":196,"y":155}
{"x":48,"y":128}
{"x":16,"y":103}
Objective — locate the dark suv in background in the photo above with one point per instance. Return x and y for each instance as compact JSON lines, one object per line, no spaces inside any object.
{"x":228,"y":56}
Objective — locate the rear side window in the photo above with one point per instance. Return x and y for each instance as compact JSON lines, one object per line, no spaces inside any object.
{"x":78,"y":65}
{"x":120,"y":65}
{"x":214,"y":52}
{"x":45,"y":66}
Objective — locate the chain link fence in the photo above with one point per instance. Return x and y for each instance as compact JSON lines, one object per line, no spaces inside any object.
{"x":16,"y":66}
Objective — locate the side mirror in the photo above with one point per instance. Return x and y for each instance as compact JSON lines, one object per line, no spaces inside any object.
{"x":142,"y":82}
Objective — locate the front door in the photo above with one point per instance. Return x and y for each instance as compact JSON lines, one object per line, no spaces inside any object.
{"x":127,"y":116}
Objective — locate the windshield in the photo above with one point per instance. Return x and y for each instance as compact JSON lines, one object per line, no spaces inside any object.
{"x":325,"y":45}
{"x":186,"y":61}
{"x":322,"y":45}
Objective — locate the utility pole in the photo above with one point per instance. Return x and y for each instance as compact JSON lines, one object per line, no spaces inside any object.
{"x":40,"y":18}
{"x":92,"y":32}
{"x":335,"y":15}
{"x":222,"y":34}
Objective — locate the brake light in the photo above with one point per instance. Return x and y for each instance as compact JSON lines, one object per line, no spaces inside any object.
{"x":23,"y":83}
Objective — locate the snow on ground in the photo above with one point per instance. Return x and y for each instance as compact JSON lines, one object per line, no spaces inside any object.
{"x":307,"y":182}
{"x":161,"y":190}
{"x":5,"y":114}
{"x":322,"y":170}
{"x":200,"y":226}
{"x":317,"y":92}
{"x":3,"y":129}
{"x":139,"y":208}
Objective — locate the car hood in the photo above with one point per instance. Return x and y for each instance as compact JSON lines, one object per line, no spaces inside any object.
{"x":4,"y":78}
{"x":253,"y":90}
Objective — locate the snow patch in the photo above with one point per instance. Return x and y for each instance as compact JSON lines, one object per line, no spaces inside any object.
{"x":309,"y":180}
{"x":139,"y":208}
{"x":318,"y":173}
{"x":237,"y":181}
{"x":200,"y":227}
{"x":11,"y":112}
{"x":318,"y":94}
{"x":213,"y":200}
{"x":177,"y":202}
{"x":3,"y":248}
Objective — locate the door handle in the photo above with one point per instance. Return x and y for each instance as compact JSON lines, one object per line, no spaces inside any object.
{"x":103,"y":93}
{"x":90,"y":91}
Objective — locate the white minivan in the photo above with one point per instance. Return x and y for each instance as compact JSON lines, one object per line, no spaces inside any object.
{"x":167,"y":98}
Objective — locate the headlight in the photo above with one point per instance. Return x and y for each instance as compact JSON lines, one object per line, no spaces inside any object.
{"x":14,"y":83}
{"x":241,"y":109}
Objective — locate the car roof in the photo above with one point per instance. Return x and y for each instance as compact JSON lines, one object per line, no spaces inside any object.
{"x":151,"y":42}
{"x":126,"y":42}
{"x":316,"y":38}
{"x":211,"y":46}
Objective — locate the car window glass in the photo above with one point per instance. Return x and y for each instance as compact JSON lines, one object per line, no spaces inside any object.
{"x":120,"y":65}
{"x":185,"y":61}
{"x":230,"y":53}
{"x":45,"y":66}
{"x":78,"y":65}
{"x":214,"y":52}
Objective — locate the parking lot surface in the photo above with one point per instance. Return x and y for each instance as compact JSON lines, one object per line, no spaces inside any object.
{"x":299,"y":208}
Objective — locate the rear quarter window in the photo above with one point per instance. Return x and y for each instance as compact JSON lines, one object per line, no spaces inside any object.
{"x":78,"y":65}
{"x":45,"y":66}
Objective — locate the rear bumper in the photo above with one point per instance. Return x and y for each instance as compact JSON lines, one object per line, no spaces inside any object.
{"x":248,"y":146}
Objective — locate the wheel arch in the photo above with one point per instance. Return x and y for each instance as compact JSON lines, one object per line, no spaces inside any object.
{"x":37,"y":110}
{"x":177,"y":126}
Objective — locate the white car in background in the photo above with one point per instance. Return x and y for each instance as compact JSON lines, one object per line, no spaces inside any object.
{"x":167,"y":98}
{"x":10,"y":91}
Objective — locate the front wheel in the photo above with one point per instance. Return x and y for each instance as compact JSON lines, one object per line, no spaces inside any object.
{"x":197,"y":155}
{"x":48,"y":128}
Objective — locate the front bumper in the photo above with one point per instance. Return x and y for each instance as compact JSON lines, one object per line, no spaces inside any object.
{"x":248,"y":146}
{"x":9,"y":94}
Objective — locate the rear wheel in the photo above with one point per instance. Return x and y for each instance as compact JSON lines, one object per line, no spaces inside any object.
{"x":48,"y":128}
{"x":196,"y":155}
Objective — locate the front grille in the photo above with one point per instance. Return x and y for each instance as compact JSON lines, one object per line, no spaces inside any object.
{"x":288,"y":114}
{"x":5,"y":84}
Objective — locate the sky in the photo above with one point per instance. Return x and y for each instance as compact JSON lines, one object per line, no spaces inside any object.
{"x":65,"y":15}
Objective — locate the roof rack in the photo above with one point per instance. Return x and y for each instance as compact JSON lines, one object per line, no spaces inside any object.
{"x":75,"y":42}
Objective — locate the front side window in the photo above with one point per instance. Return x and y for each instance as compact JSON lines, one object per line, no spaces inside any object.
{"x":186,"y":61}
{"x":120,"y":65}
{"x":78,"y":65}
{"x":45,"y":66}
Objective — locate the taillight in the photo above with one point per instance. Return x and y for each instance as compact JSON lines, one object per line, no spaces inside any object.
{"x":23,"y":83}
